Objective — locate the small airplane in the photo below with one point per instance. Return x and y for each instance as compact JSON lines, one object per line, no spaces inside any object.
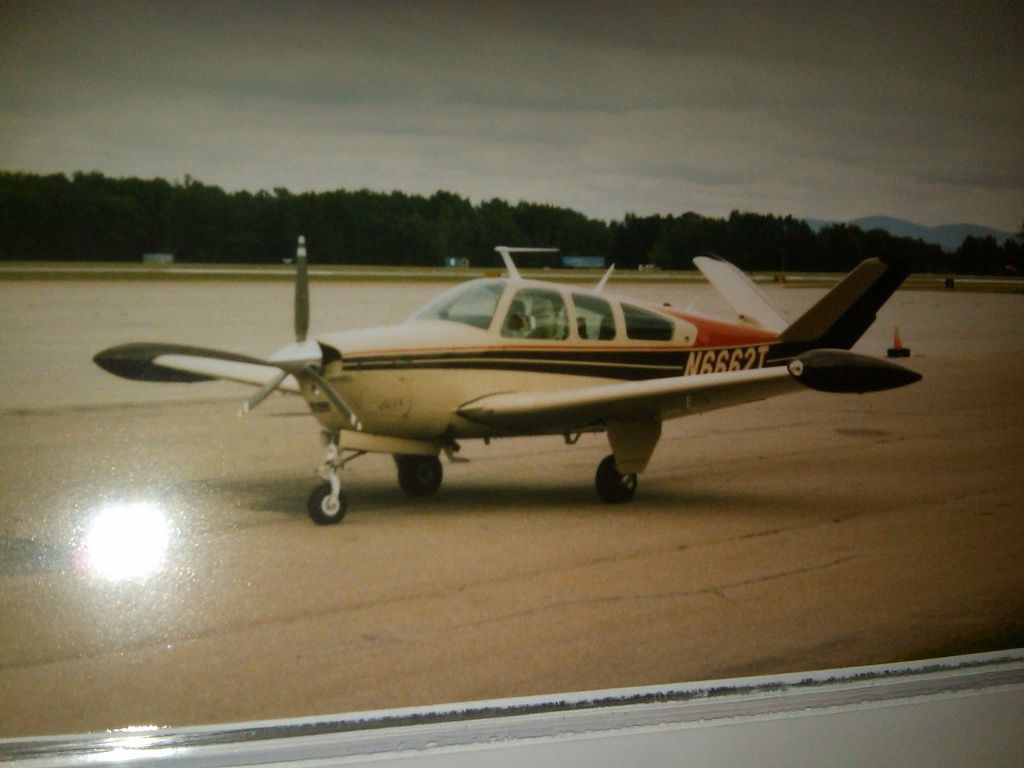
{"x":509,"y":356}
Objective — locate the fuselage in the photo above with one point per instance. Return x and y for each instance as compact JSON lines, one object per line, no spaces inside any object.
{"x":501,"y":335}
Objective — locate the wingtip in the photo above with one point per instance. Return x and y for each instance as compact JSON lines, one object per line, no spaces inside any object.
{"x":835,"y":370}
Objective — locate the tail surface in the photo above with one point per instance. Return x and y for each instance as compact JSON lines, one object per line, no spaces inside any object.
{"x":843,"y":314}
{"x":742,"y":294}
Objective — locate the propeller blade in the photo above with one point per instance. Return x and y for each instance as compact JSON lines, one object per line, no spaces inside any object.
{"x":332,"y":394}
{"x":301,"y":292}
{"x":302,"y":357}
{"x":262,"y":393}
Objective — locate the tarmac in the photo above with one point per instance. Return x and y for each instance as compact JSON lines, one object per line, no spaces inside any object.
{"x":806,"y":532}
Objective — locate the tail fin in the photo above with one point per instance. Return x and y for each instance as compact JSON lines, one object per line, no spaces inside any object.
{"x":843,"y":314}
{"x":742,"y":293}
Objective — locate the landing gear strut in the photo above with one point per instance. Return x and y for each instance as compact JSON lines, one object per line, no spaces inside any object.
{"x":613,"y":486}
{"x":327,"y":504}
{"x":419,"y":475}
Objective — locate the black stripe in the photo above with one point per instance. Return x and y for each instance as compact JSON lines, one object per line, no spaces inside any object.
{"x":610,"y":364}
{"x":624,"y":364}
{"x":645,"y":356}
{"x":625,"y":372}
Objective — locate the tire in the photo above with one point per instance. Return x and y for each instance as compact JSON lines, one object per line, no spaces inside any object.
{"x":612,"y":486}
{"x":419,"y":475}
{"x":319,"y":510}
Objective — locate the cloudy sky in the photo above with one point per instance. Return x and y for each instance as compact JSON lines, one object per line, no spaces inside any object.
{"x":912,"y":110}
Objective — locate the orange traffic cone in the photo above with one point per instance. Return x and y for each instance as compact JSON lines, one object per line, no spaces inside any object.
{"x":897,"y":349}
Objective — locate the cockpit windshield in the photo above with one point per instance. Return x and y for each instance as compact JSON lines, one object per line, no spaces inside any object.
{"x":472,"y":303}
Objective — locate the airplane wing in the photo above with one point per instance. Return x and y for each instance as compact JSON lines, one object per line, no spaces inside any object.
{"x":570,"y":410}
{"x":742,"y":293}
{"x":180,"y":363}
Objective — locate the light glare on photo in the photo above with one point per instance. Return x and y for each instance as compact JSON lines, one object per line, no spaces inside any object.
{"x":127,"y":540}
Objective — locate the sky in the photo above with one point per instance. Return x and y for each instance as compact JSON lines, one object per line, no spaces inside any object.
{"x":829,"y":111}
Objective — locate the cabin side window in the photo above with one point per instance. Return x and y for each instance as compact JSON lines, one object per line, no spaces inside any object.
{"x":594,"y":319}
{"x":536,"y":313}
{"x":645,"y":325}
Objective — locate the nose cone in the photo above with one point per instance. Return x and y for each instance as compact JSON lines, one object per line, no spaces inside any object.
{"x":836,"y":370}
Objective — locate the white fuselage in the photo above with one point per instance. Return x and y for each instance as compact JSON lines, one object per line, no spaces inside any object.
{"x":408,"y":380}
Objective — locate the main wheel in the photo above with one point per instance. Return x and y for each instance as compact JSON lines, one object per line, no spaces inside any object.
{"x":613,"y":486}
{"x":419,"y":475}
{"x":322,"y":510}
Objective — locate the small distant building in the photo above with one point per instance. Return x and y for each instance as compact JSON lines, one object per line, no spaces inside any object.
{"x":583,"y":262}
{"x":158,"y":258}
{"x":456,"y":261}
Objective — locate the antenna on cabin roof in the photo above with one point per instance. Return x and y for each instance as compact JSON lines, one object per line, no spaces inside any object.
{"x":604,"y":279}
{"x":506,"y":256}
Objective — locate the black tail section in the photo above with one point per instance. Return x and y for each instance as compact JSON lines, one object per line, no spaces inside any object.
{"x":842,"y":315}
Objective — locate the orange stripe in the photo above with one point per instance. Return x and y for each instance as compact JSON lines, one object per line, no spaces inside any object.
{"x":715,"y":333}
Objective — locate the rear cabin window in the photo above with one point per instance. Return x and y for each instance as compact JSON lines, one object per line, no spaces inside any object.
{"x":594,"y":319}
{"x":645,"y":325}
{"x":536,"y":313}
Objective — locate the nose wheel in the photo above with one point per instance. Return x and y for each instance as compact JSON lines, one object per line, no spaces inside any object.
{"x":326,"y":507}
{"x":327,"y":504}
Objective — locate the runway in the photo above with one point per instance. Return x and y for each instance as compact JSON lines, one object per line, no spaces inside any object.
{"x":805,"y":532}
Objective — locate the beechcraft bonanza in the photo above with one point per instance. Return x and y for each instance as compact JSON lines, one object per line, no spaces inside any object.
{"x":499,"y":357}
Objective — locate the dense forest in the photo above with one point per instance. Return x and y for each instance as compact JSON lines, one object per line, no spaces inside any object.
{"x":90,"y":217}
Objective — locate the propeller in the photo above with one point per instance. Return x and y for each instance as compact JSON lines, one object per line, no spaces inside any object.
{"x":262,"y":393}
{"x":302,"y":357}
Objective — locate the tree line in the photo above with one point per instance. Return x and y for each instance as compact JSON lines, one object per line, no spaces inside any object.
{"x":91,"y":217}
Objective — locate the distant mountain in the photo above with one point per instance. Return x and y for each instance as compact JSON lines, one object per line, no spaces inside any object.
{"x":949,"y":237}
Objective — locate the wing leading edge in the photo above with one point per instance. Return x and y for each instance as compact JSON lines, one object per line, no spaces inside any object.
{"x":568,"y":410}
{"x":588,"y":407}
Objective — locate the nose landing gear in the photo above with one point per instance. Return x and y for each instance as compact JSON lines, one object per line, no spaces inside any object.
{"x":418,"y":475}
{"x":327,"y":504}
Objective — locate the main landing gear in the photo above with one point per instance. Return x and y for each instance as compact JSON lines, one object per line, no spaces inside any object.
{"x":419,"y":475}
{"x":613,"y":486}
